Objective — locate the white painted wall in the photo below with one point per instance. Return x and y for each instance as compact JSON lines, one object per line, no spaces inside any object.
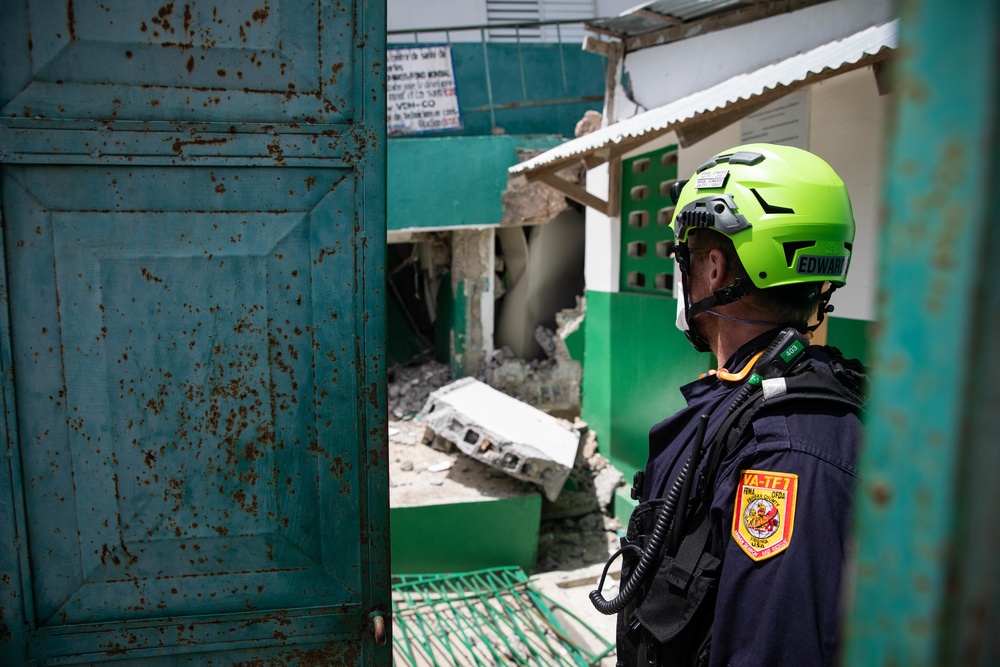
{"x":603,"y":242}
{"x":609,"y":8}
{"x":849,"y":122}
{"x":416,"y":14}
{"x":662,"y":74}
{"x":412,"y":14}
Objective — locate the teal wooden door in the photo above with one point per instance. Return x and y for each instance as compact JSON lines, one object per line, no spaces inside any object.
{"x":191,"y":336}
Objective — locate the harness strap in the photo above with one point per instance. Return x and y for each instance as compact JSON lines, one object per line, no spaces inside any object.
{"x":686,"y":561}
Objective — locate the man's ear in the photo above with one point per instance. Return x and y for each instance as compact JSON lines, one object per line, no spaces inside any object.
{"x":718,"y":269}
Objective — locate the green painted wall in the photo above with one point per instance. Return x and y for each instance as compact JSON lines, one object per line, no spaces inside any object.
{"x":576,"y":343}
{"x":559,"y":84}
{"x":456,"y":344}
{"x":646,"y":262}
{"x":853,"y":337}
{"x":459,"y":537}
{"x":451,"y":182}
{"x":634,"y":362}
{"x":445,"y":321}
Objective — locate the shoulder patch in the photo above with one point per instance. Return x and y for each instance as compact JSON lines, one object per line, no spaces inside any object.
{"x":765,"y":512}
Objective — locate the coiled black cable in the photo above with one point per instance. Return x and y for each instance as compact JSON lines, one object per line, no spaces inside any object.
{"x":651,"y":554}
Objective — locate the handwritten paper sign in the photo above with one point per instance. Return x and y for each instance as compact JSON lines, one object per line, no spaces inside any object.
{"x":421,"y":90}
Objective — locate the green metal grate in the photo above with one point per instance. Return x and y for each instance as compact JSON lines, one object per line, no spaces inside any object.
{"x":487,"y":617}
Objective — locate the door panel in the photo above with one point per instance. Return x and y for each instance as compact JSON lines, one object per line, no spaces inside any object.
{"x":272,"y":61}
{"x":204,"y":430}
{"x":193,"y":238}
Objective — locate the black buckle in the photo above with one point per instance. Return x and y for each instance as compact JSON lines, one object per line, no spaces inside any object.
{"x":734,"y":292}
{"x":638,"y":481}
{"x":683,"y":256}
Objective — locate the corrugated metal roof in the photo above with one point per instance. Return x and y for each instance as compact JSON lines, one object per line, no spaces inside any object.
{"x":651,"y":16}
{"x":793,"y":71}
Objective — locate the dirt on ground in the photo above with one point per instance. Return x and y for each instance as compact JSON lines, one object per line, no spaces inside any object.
{"x":575,"y":531}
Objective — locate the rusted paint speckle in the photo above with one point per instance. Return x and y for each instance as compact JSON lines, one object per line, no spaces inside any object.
{"x":5,"y":634}
{"x":71,"y":20}
{"x":261,"y":15}
{"x":881,"y":493}
{"x":162,"y":17}
{"x":178,"y":145}
{"x":274,"y":148}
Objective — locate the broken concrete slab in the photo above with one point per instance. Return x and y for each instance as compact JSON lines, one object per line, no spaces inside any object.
{"x":503,"y":432}
{"x":534,"y":203}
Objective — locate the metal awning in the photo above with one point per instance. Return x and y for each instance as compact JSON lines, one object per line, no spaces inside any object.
{"x":702,"y":113}
{"x":664,"y":21}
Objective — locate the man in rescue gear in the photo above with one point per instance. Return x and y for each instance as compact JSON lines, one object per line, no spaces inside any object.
{"x":735,"y":555}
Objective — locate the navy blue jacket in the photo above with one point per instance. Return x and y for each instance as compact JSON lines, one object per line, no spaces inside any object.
{"x":785,"y":609}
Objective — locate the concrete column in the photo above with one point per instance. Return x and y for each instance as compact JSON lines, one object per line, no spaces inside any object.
{"x":603,"y":238}
{"x":472,"y":275}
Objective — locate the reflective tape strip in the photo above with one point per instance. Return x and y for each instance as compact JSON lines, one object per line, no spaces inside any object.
{"x":774,"y":387}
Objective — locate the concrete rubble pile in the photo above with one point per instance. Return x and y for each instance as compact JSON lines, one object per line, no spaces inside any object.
{"x":551,"y":384}
{"x":534,"y":202}
{"x":409,"y":387}
{"x":588,"y":479}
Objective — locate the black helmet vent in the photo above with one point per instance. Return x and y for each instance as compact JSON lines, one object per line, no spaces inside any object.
{"x":792,"y":246}
{"x":768,"y":208}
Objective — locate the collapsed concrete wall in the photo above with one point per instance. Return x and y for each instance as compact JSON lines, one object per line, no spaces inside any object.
{"x":551,"y":384}
{"x":541,"y":240}
{"x":535,"y":203}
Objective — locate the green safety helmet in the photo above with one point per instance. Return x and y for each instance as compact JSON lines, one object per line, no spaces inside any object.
{"x":787,"y":213}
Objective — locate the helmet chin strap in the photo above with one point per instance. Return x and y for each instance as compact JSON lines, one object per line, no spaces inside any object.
{"x":719,"y":297}
{"x":732,"y":293}
{"x":737,"y":319}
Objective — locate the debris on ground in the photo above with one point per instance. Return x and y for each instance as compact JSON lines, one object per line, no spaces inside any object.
{"x":576,"y":530}
{"x":421,"y":475}
{"x":409,"y":387}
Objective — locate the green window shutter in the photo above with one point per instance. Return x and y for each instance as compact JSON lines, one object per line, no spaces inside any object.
{"x":646,"y":237}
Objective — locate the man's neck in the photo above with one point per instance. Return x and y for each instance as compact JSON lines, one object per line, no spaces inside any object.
{"x":729,"y":336}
